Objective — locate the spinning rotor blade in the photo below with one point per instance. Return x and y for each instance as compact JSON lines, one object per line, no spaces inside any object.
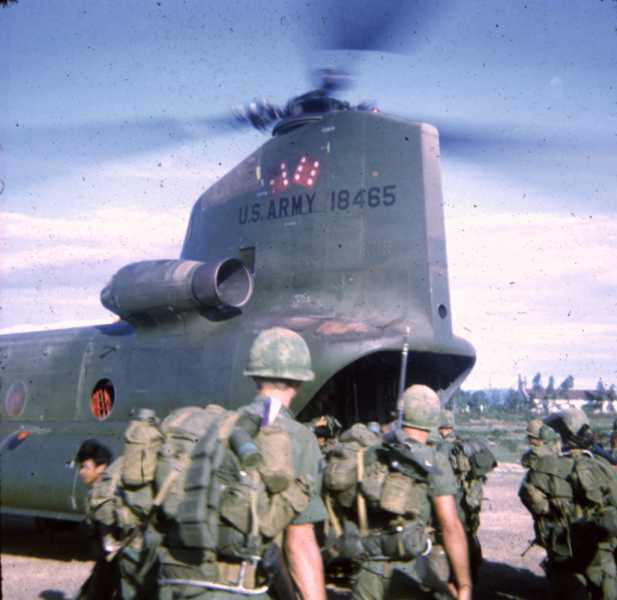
{"x":390,"y":25}
{"x":38,"y":153}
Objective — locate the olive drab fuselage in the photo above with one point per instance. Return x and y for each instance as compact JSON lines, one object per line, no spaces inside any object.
{"x":334,"y":229}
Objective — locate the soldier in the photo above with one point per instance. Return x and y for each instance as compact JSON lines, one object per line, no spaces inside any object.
{"x":572,"y":496}
{"x":470,"y":461}
{"x":543,"y":441}
{"x":533,"y":432}
{"x":393,"y":565}
{"x":279,"y":361}
{"x":326,"y":429}
{"x":94,"y":459}
{"x":446,"y":426}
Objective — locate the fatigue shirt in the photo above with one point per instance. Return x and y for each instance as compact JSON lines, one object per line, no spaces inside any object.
{"x":101,"y":501}
{"x":307,"y":459}
{"x":445,"y":448}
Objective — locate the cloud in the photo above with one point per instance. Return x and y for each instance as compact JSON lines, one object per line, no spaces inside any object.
{"x":50,"y":306}
{"x":535,"y":291}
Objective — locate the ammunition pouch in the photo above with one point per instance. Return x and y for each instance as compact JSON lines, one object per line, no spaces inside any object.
{"x":403,"y":496}
{"x":404,"y":542}
{"x":606,"y":520}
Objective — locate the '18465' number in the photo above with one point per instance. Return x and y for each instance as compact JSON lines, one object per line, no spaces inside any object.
{"x":371,"y":197}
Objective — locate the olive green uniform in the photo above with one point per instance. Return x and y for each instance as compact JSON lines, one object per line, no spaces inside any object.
{"x":468,"y":503}
{"x":104,"y":581}
{"x":563,"y":494}
{"x":307,"y":463}
{"x":424,"y":576}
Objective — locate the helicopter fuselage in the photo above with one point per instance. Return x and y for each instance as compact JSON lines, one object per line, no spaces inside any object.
{"x":339,"y":222}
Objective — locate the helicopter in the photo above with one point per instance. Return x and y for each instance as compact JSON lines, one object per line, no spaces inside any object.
{"x":334,"y":228}
{"x":317,"y":231}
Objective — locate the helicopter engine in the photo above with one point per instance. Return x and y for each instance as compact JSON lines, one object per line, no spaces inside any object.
{"x":158,"y":287}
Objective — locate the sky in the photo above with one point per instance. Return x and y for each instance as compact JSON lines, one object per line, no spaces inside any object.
{"x":107,"y":139}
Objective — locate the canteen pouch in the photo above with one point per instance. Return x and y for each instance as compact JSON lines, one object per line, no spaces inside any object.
{"x":277,"y":468}
{"x":341,"y":471}
{"x":404,"y":542}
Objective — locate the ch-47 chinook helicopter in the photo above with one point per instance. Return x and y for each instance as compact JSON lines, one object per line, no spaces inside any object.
{"x":334,"y":228}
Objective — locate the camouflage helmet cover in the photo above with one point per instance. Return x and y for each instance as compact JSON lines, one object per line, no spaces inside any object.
{"x":574,"y":419}
{"x":446,"y":419}
{"x":421,"y":407}
{"x":280,"y":353}
{"x":533,"y":428}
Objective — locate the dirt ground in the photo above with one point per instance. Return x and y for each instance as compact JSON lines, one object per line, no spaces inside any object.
{"x":52,"y":565}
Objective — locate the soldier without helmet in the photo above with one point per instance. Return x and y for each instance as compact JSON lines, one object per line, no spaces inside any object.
{"x":93,"y":460}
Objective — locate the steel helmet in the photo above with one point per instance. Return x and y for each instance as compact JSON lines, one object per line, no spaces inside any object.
{"x":421,"y":407}
{"x":280,"y":353}
{"x":446,"y":419}
{"x":574,"y":419}
{"x":533,"y":428}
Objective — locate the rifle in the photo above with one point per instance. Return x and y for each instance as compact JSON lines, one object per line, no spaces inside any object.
{"x":279,"y":579}
{"x":402,"y":377}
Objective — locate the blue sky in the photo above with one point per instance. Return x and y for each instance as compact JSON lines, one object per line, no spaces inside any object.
{"x":104,"y":149}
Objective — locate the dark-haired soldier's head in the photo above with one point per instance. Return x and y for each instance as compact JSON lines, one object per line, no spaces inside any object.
{"x":92,"y":458}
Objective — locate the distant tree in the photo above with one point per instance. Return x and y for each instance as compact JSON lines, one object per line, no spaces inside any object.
{"x":458,"y":401}
{"x":478,"y":402}
{"x":537,"y":391}
{"x":514,"y":401}
{"x":601,"y":389}
{"x":550,"y":388}
{"x":566,"y":385}
{"x":612,"y":393}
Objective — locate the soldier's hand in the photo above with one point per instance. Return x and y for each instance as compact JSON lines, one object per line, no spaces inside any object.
{"x":464,"y":593}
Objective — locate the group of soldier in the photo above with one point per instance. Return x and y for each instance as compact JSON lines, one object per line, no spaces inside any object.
{"x":570,"y":489}
{"x":215,"y":504}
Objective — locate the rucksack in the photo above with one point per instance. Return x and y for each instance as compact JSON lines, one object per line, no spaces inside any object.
{"x":472,"y":459}
{"x":595,"y":485}
{"x":221,"y":500}
{"x":347,"y":459}
{"x":548,"y":494}
{"x":207,"y":493}
{"x":376,"y":498}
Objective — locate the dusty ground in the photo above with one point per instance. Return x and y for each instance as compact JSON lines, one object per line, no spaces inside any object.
{"x":52,"y":565}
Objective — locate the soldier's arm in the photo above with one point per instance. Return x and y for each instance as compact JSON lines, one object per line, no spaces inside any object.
{"x":304,"y":559}
{"x":455,"y":542}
